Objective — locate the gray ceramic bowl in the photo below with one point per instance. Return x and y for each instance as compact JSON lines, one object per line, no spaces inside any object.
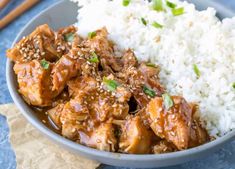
{"x":63,"y":14}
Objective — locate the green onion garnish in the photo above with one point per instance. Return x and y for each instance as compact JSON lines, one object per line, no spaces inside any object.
{"x":144,"y":21}
{"x":157,"y":5}
{"x":151,"y":65}
{"x":125,"y":2}
{"x":233,"y":85}
{"x":69,"y":37}
{"x":91,"y":35}
{"x":150,"y":92}
{"x":196,"y":70}
{"x":168,"y":102}
{"x":157,"y":25}
{"x":110,"y":84}
{"x":94,"y":58}
{"x":45,"y":64}
{"x":177,"y":11}
{"x":170,"y":4}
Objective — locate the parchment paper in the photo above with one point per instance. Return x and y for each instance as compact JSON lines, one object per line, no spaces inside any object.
{"x":35,"y":151}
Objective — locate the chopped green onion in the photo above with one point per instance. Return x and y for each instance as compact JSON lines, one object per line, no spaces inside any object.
{"x":45,"y":64}
{"x":125,"y":2}
{"x":151,"y":65}
{"x":150,"y":92}
{"x":170,"y":4}
{"x":233,"y":85}
{"x":196,"y":70}
{"x":94,"y":58}
{"x":168,"y":102}
{"x":144,"y":21}
{"x":157,"y":25}
{"x":91,"y":35}
{"x":110,"y":84}
{"x":69,"y":37}
{"x":177,"y":11}
{"x":157,"y":5}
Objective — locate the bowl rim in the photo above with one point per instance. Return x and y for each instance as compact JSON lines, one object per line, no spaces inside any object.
{"x":26,"y":111}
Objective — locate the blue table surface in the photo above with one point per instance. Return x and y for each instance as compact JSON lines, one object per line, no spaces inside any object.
{"x":222,"y":159}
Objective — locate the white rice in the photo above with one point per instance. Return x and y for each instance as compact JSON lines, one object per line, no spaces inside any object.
{"x":196,"y":37}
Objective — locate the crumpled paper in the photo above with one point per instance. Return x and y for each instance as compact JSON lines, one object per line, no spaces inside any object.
{"x":35,"y":151}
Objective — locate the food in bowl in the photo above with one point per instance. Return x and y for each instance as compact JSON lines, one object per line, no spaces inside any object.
{"x":99,"y":100}
{"x":154,"y":77}
{"x":194,"y":49}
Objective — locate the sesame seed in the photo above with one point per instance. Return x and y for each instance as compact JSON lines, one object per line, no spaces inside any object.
{"x":63,"y":47}
{"x":172,"y":133}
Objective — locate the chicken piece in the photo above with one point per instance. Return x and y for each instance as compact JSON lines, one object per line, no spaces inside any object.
{"x":56,"y":108}
{"x":55,"y":113}
{"x":122,"y":93}
{"x":74,"y":113}
{"x":66,"y":39}
{"x":102,"y":104}
{"x":149,"y":70}
{"x":140,"y":79}
{"x":102,"y":138}
{"x":151,"y":81}
{"x":66,"y":68}
{"x":34,"y":83}
{"x":103,"y":109}
{"x":38,"y":45}
{"x":173,"y":124}
{"x":198,"y":134}
{"x":81,"y":84}
{"x":129,"y":59}
{"x":43,"y":43}
{"x":135,"y":137}
{"x":104,"y":49}
{"x":163,"y":147}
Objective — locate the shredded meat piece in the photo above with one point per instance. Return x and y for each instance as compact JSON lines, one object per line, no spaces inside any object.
{"x":163,"y":147}
{"x":43,"y":43}
{"x":138,"y":76}
{"x":73,"y":114}
{"x":198,"y":134}
{"x":174,"y":124}
{"x":135,"y":137}
{"x":104,"y":48}
{"x":129,"y":59}
{"x":34,"y":83}
{"x":103,"y":138}
{"x":55,"y":114}
{"x":81,"y":84}
{"x":122,"y":93}
{"x":38,"y":45}
{"x":65,"y":35}
{"x":67,"y":67}
{"x":102,"y":104}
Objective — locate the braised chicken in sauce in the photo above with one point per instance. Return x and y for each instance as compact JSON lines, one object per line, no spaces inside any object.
{"x":100,"y":100}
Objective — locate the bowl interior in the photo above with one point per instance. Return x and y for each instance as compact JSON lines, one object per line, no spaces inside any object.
{"x":62,"y":14}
